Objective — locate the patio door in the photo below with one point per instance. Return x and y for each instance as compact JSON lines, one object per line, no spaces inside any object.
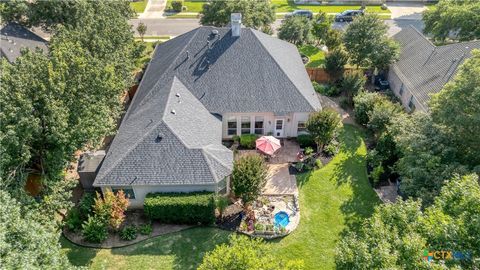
{"x":279,"y":127}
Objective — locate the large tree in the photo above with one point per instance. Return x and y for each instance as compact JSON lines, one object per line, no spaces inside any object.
{"x":257,"y":14}
{"x":323,"y":126}
{"x":396,"y":236}
{"x":243,"y":253}
{"x":367,"y":43}
{"x":296,"y":30}
{"x":457,"y":110}
{"x":249,"y":176}
{"x":320,"y":27}
{"x":456,"y":19}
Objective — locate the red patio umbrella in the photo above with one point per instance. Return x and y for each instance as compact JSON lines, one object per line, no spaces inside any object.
{"x":268,"y":144}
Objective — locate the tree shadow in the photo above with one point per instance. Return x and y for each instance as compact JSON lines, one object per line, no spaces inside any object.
{"x":77,"y":255}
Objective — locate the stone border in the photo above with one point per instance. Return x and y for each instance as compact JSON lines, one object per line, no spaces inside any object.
{"x":114,"y":241}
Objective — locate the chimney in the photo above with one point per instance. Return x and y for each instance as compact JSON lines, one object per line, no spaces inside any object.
{"x":236,"y":22}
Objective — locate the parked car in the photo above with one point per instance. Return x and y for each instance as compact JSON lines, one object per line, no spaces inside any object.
{"x":300,"y":12}
{"x":348,"y":15}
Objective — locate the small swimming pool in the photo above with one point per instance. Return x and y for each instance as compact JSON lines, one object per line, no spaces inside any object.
{"x":281,"y":219}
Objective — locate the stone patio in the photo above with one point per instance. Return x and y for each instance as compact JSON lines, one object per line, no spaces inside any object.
{"x":280,"y":181}
{"x":287,"y":153}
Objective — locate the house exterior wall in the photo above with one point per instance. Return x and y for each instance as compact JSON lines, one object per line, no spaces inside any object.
{"x":404,"y":95}
{"x":290,"y":123}
{"x":142,"y":191}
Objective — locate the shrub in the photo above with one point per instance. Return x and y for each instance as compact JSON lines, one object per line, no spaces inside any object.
{"x":145,"y":229}
{"x":128,"y":233}
{"x":332,"y":148}
{"x":323,"y":126}
{"x":364,"y":103}
{"x":318,"y":164}
{"x":352,"y":84}
{"x":85,"y":206}
{"x":111,"y":207}
{"x":306,"y":140}
{"x":333,"y":39}
{"x":249,"y":177}
{"x":74,"y":220}
{"x":335,"y":62}
{"x":94,"y":229}
{"x":248,"y":141}
{"x":331,"y":90}
{"x":320,"y":88}
{"x":177,"y":5}
{"x":376,"y":174}
{"x":186,"y":208}
{"x":221,"y":203}
{"x":236,"y":138}
{"x":345,"y":103}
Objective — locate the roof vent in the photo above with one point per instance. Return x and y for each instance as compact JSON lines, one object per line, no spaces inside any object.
{"x":177,"y":94}
{"x":158,"y":138}
{"x":173,"y":112}
{"x":214,"y":32}
{"x":188,"y":55}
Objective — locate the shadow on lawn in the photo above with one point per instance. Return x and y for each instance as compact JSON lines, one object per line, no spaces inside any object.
{"x":352,"y":171}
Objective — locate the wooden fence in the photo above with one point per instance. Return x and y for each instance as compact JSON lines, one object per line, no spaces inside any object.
{"x":320,"y":75}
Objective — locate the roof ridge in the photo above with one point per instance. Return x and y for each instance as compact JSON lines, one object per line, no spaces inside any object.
{"x":277,"y":64}
{"x":422,"y":35}
{"x":206,"y":148}
{"x":210,"y":168}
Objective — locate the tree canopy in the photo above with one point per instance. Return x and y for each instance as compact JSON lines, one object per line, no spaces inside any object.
{"x":323,"y":126}
{"x":367,"y":43}
{"x":396,"y":236}
{"x":296,"y":30}
{"x":456,"y":19}
{"x":249,"y":176}
{"x":257,"y":14}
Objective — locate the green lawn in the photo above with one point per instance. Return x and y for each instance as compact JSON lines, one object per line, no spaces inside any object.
{"x":139,"y":6}
{"x":332,"y":199}
{"x":317,"y":56}
{"x":287,"y":6}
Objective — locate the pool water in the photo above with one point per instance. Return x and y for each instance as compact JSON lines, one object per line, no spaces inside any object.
{"x":281,"y":219}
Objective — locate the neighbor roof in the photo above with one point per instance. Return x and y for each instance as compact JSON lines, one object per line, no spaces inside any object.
{"x":171,"y":140}
{"x":425,"y":68}
{"x":15,"y":37}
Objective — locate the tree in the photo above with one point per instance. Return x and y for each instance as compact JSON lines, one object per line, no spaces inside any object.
{"x":456,"y":109}
{"x":111,"y":208}
{"x":28,"y":239}
{"x":335,"y":62}
{"x":323,"y":126}
{"x":333,"y":40}
{"x":296,"y":30}
{"x":255,"y":13}
{"x":352,"y":84}
{"x":321,"y":25}
{"x":367,"y":43}
{"x":457,"y":19}
{"x":141,"y":29}
{"x":364,"y":103}
{"x":382,"y":114}
{"x":397,"y":234}
{"x":249,"y":177}
{"x":245,"y":253}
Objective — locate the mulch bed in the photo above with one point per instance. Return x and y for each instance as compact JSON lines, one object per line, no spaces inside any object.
{"x":231,"y":218}
{"x":132,"y":218}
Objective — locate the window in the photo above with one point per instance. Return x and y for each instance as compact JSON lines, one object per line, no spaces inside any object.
{"x":232,"y":126}
{"x":245,"y":125}
{"x":259,"y":125}
{"x":222,"y":186}
{"x":279,"y":124}
{"x":401,"y":90}
{"x":128,"y":192}
{"x":302,"y":127}
{"x":411,"y":105}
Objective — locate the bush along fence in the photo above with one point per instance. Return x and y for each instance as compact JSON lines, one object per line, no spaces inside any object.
{"x":320,"y":75}
{"x":181,"y":208}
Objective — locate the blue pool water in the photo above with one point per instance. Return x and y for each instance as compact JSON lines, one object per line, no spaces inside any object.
{"x":281,"y":219}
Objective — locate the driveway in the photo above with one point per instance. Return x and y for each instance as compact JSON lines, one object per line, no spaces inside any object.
{"x":154,"y":9}
{"x":406,"y":11}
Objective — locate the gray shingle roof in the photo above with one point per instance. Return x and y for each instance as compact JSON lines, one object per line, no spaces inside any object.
{"x":425,"y":68}
{"x":155,"y":146}
{"x":190,"y":79}
{"x":15,"y":37}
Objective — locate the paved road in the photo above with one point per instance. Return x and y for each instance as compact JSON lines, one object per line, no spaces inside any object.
{"x":175,"y":27}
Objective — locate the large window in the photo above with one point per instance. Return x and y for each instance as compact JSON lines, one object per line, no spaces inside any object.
{"x":401,"y":90}
{"x":127,"y":190}
{"x":222,"y":186}
{"x":232,"y":126}
{"x":411,"y":105}
{"x":259,"y":125}
{"x":302,"y":127}
{"x":246,"y":125}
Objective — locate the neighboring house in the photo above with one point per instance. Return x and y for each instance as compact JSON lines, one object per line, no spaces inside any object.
{"x":15,"y":37}
{"x":423,"y":68}
{"x":201,"y":87}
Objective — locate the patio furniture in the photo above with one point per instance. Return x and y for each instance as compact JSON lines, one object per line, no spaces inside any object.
{"x":268,"y":144}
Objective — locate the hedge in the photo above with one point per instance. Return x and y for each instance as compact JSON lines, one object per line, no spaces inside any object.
{"x":306,"y":140}
{"x":180,"y":208}
{"x":248,"y":140}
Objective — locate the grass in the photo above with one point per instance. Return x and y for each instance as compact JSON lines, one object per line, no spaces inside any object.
{"x":332,"y":199}
{"x":288,"y":6}
{"x":317,"y":56}
{"x":139,"y":6}
{"x":182,"y":15}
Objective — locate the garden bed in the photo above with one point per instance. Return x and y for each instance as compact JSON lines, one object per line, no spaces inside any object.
{"x":135,"y":218}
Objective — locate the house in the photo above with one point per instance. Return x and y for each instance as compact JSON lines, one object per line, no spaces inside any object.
{"x":15,"y":37}
{"x":423,"y":68}
{"x":200,"y":88}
